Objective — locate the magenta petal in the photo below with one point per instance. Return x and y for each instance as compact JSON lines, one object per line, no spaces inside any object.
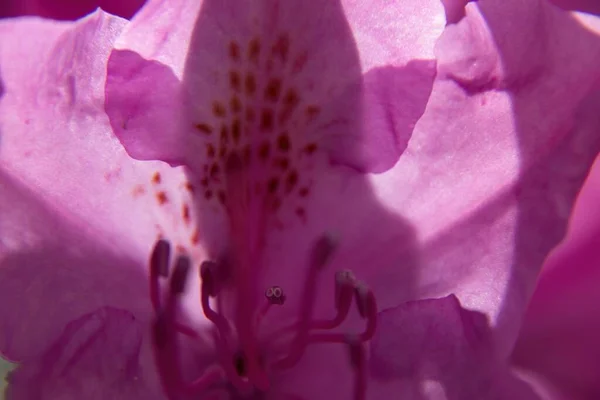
{"x":559,"y":338}
{"x":435,"y":349}
{"x":67,"y":9}
{"x":97,"y":357}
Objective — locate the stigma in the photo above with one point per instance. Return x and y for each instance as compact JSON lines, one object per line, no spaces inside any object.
{"x":248,"y":358}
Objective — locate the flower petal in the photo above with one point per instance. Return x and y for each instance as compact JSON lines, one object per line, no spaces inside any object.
{"x":319,"y":88}
{"x":97,"y":356}
{"x":56,"y":138}
{"x":490,"y":175}
{"x":78,"y":216}
{"x":51,"y":272}
{"x":559,"y":338}
{"x":435,"y":349}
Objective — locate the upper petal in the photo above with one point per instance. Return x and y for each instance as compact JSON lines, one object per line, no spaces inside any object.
{"x":365,"y":123}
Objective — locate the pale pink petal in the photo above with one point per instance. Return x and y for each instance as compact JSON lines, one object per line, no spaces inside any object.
{"x":77,"y":215}
{"x":493,"y":166}
{"x":559,"y":339}
{"x":441,"y":351}
{"x":97,"y":356}
{"x":57,"y":141}
{"x":52,"y":271}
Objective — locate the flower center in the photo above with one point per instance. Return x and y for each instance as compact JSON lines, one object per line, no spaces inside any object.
{"x":242,"y":367}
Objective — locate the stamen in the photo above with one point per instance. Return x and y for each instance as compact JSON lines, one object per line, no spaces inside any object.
{"x":321,"y":253}
{"x":210,"y":288}
{"x":165,"y":341}
{"x":159,"y":266}
{"x":344,"y":290}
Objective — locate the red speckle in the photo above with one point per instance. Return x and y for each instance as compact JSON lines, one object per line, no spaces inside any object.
{"x":162,"y":198}
{"x":138,"y":190}
{"x":235,"y":104}
{"x":235,"y":81}
{"x":263,"y":150}
{"x":195,"y":239}
{"x":310,"y":148}
{"x":234,"y":51}
{"x":299,"y":63}
{"x":224,"y":135}
{"x":254,"y":50}
{"x":210,"y":151}
{"x":214,"y":171}
{"x":185,"y":213}
{"x":236,"y":130}
{"x":290,"y":102}
{"x":273,"y":90}
{"x":218,"y":109}
{"x":204,"y":182}
{"x":189,"y":187}
{"x":312,"y":112}
{"x":156,"y":178}
{"x":180,"y":248}
{"x":282,"y":163}
{"x":208,"y":194}
{"x":303,"y":192}
{"x":281,"y":47}
{"x":266,"y":120}
{"x":291,"y":181}
{"x":272,"y":185}
{"x":300,"y":212}
{"x":283,"y":142}
{"x":204,"y":128}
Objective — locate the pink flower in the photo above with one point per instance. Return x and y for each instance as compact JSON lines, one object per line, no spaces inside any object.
{"x":557,"y":347}
{"x":67,"y":9}
{"x":438,"y":164}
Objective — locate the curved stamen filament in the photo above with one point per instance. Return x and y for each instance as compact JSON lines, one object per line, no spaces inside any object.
{"x":208,"y":290}
{"x":166,"y":349}
{"x":358,"y":361}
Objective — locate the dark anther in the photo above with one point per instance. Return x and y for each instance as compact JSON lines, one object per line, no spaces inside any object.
{"x":180,"y":274}
{"x":275,"y":295}
{"x":239,"y":362}
{"x":322,"y":251}
{"x":207,"y":273}
{"x":362,"y":299}
{"x":159,"y":260}
{"x":344,"y":286}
